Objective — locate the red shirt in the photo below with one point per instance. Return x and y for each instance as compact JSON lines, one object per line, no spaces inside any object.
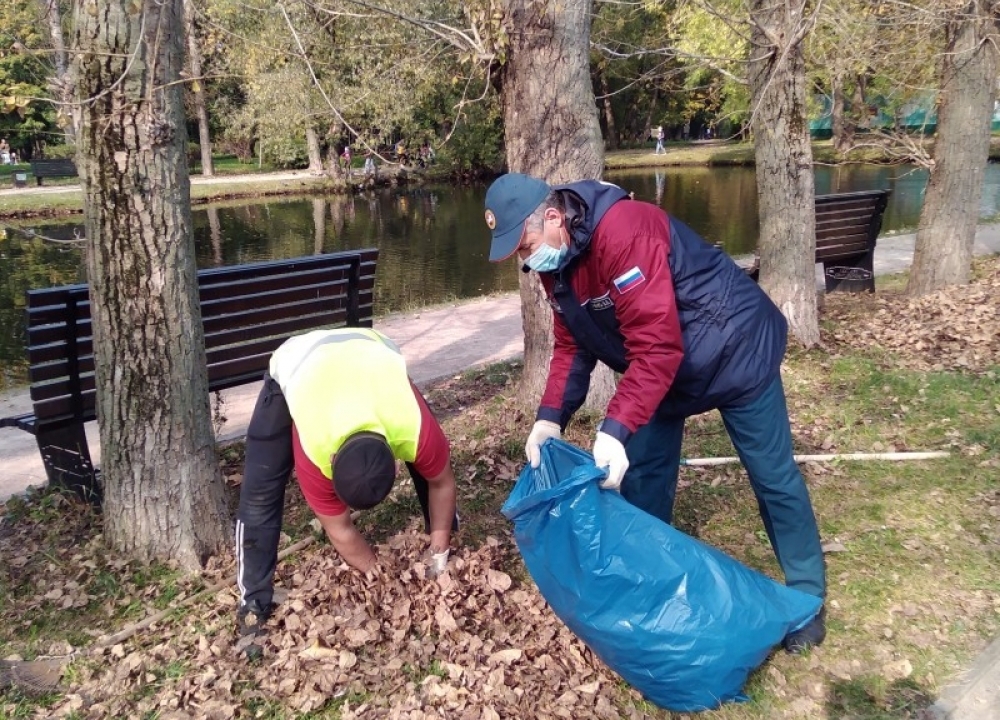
{"x":431,"y":460}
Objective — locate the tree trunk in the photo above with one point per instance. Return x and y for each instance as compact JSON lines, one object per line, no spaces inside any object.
{"x":198,"y":91}
{"x":315,"y":154}
{"x":843,"y":129}
{"x":785,"y":186}
{"x":946,"y":232}
{"x":164,"y":496}
{"x":859,"y":105}
{"x":551,"y":131}
{"x":609,"y":112}
{"x":61,"y":82}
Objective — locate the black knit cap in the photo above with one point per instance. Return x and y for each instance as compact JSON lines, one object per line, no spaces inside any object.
{"x":364,"y":470}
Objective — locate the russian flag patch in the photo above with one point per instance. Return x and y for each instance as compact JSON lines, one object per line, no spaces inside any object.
{"x":631,"y":279}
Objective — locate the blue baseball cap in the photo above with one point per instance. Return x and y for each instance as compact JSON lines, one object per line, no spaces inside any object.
{"x":509,"y":202}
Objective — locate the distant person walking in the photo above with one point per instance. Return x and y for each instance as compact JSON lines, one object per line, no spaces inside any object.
{"x":659,"y":140}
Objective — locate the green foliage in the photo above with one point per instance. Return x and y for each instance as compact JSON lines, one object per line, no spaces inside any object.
{"x":357,"y":77}
{"x":60,"y":151}
{"x":26,"y":116}
{"x":476,"y":140}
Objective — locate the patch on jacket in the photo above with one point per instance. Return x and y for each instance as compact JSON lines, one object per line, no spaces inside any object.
{"x":602,"y":303}
{"x":629,"y":280}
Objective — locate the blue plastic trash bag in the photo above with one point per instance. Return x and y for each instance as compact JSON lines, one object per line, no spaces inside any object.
{"x":684,"y":623}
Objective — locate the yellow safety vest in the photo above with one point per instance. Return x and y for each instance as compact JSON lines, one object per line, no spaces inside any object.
{"x":344,"y":381}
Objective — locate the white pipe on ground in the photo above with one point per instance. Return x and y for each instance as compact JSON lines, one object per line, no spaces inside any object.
{"x":701,"y":462}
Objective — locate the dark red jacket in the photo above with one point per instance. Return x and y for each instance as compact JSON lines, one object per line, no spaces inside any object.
{"x":641,"y":292}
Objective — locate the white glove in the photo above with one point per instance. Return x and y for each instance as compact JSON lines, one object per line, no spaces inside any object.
{"x":438,"y":563}
{"x":610,"y":453}
{"x":540,"y":432}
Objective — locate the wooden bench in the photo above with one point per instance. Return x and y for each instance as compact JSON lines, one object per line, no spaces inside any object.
{"x":247,"y":312}
{"x":847,"y":226}
{"x":53,"y":168}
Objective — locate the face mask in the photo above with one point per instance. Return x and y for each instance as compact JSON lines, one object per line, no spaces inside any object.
{"x":546,"y":258}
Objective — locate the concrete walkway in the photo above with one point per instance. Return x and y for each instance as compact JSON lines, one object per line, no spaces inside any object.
{"x":448,"y":340}
{"x":248,"y":178}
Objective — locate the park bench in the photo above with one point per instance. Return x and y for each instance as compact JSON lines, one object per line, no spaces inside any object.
{"x":847,"y":226}
{"x":52,"y":168}
{"x":247,"y":312}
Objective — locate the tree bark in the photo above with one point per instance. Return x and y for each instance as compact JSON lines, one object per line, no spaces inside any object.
{"x":551,"y":131}
{"x":946,"y":232}
{"x":164,"y":496}
{"x":610,"y":126}
{"x":785,"y":186}
{"x":315,"y":154}
{"x":61,"y":82}
{"x":842,"y":126}
{"x":198,"y":91}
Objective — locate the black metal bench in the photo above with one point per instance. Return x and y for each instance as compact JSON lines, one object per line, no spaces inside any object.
{"x":847,"y":226}
{"x":53,"y":168}
{"x":247,"y":311}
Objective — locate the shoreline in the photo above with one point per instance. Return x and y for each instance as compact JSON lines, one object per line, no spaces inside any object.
{"x":56,"y":201}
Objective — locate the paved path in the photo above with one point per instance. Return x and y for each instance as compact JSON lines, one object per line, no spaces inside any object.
{"x":34,"y":189}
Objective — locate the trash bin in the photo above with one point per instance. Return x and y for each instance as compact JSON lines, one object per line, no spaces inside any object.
{"x":20,"y":179}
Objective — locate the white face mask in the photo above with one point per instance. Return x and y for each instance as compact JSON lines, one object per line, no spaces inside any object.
{"x":546,"y":258}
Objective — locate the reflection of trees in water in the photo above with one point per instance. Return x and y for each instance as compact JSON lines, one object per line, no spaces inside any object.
{"x":215,"y":234}
{"x":26,"y":264}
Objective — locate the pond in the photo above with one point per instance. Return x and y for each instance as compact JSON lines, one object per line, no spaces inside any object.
{"x":433,"y":240}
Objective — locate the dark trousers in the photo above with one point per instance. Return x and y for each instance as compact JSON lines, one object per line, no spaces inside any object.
{"x":269,"y":463}
{"x":761,"y":434}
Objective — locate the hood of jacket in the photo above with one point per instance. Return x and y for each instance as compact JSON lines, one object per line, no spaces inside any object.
{"x":585,"y":202}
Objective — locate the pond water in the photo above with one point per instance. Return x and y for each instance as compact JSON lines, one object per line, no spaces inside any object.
{"x":433,"y":240}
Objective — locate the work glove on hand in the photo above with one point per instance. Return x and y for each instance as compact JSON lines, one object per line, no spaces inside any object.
{"x":610,"y":453}
{"x":540,"y":432}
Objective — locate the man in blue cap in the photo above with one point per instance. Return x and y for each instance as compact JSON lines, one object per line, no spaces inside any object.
{"x":689,"y":331}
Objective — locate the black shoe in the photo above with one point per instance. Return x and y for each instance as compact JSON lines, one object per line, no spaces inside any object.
{"x":808,"y":636}
{"x":250,"y":618}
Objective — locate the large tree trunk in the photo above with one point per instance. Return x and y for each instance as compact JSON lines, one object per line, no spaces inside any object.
{"x":946,"y":232}
{"x":551,"y":131}
{"x":61,"y":82}
{"x":198,"y":90}
{"x":164,"y":496}
{"x":316,"y":154}
{"x":785,"y":186}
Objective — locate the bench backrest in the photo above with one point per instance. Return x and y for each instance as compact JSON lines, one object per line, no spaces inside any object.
{"x":847,"y":224}
{"x":53,"y":168}
{"x":247,"y":312}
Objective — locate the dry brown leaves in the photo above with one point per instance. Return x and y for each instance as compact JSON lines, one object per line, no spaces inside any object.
{"x":957,"y":328}
{"x":474,"y":643}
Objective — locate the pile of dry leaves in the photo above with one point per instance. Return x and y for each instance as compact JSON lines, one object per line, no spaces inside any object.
{"x":474,"y":643}
{"x":957,"y":328}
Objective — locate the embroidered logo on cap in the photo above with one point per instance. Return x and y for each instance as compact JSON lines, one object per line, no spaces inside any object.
{"x":631,"y":279}
{"x":491,"y":220}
